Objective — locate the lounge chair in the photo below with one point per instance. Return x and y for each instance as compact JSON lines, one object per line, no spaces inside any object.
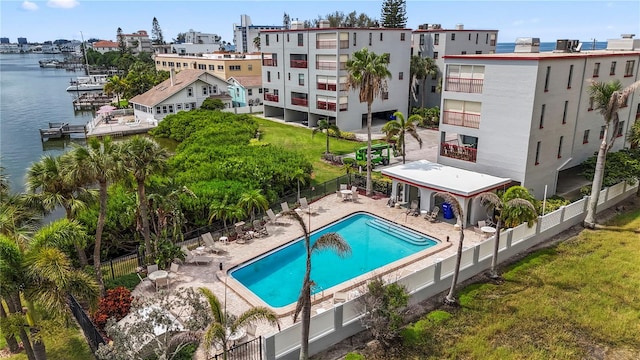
{"x":354,"y":193}
{"x":195,"y":259}
{"x":339,"y":297}
{"x":285,"y":207}
{"x":210,"y":243}
{"x":134,"y":123}
{"x":413,"y":210}
{"x":433,"y":216}
{"x":273,"y":218}
{"x":304,"y":205}
{"x":260,"y":229}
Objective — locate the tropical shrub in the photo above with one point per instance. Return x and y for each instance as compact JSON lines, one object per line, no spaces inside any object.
{"x":623,"y":165}
{"x":554,"y":203}
{"x":115,"y":305}
{"x":385,"y":306}
{"x":212,"y":104}
{"x":167,"y":251}
{"x":129,"y":281}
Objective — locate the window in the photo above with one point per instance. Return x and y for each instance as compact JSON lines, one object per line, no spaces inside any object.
{"x":189,"y":92}
{"x":301,"y":79}
{"x":178,"y":107}
{"x":289,"y":76}
{"x":266,"y":39}
{"x":171,"y":109}
{"x":268,"y":76}
{"x":620,"y":129}
{"x":434,"y":76}
{"x":249,"y":92}
{"x":278,"y":75}
{"x":546,"y":79}
{"x":171,"y":64}
{"x":300,"y":40}
{"x":178,"y":65}
{"x":628,"y":68}
{"x":164,"y":63}
{"x":453,"y":36}
{"x":204,"y":91}
{"x":486,"y":39}
{"x":202,"y":66}
{"x":422,"y":39}
{"x":477,"y":37}
{"x":400,"y":75}
{"x":612,"y":71}
{"x":433,"y":88}
{"x":259,"y":90}
{"x":463,"y":53}
{"x":402,"y":35}
{"x":277,"y":37}
{"x":370,"y":38}
{"x":564,"y":112}
{"x":544,"y":106}
{"x":164,"y":109}
{"x":212,"y":67}
{"x":185,"y":65}
{"x":354,"y":39}
{"x":601,"y":132}
{"x":380,"y":36}
{"x":585,"y":137}
{"x":436,"y":39}
{"x":570,"y":76}
{"x":385,"y":95}
{"x":478,"y":51}
{"x":287,"y":37}
{"x":250,"y":67}
{"x":596,"y":69}
{"x":538,"y":153}
{"x":158,"y":110}
{"x":560,"y":147}
{"x":435,"y":54}
{"x":220,"y":67}
{"x":469,"y":36}
{"x":590,"y":104}
{"x":234,"y":67}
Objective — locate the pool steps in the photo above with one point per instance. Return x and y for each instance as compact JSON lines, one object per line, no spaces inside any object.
{"x":408,"y":236}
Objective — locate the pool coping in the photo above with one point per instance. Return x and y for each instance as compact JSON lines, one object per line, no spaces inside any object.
{"x":345,"y":286}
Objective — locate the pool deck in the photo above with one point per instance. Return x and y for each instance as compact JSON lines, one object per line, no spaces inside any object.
{"x":328,"y":210}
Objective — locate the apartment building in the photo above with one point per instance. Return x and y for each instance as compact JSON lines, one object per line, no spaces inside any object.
{"x":304,"y":74}
{"x":528,"y":115}
{"x":138,"y":42}
{"x":224,"y":65}
{"x":245,"y":32}
{"x":431,"y":40}
{"x":197,"y":43}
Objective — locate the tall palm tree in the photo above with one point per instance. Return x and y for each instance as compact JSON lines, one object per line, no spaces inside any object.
{"x":256,"y":42}
{"x":634,"y":135}
{"x":512,"y":211}
{"x":419,"y":69}
{"x":143,"y":157}
{"x":608,"y":98}
{"x":368,"y":73}
{"x":164,"y":203}
{"x":332,"y":241}
{"x":399,"y":127}
{"x":300,"y":177}
{"x":115,"y":85}
{"x":50,"y":185}
{"x":98,"y":162}
{"x":325,"y":126}
{"x":225,"y":324}
{"x":459,"y":214}
{"x":252,"y":200}
{"x":224,"y":211}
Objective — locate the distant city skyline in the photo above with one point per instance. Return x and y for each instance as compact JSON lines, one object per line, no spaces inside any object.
{"x":40,"y":21}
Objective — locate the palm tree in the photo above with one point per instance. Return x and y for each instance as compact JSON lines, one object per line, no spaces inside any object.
{"x":252,"y":200}
{"x":224,"y":211}
{"x":512,"y":211}
{"x":225,"y":324}
{"x":368,"y":72}
{"x":256,"y":42}
{"x":115,"y":85}
{"x":98,"y":162}
{"x":332,"y":241}
{"x":459,"y":214}
{"x":143,"y":157}
{"x":50,"y":185}
{"x":164,"y":202}
{"x":324,"y":125}
{"x":608,"y":98}
{"x":419,"y":69}
{"x":300,"y":177}
{"x":399,"y":127}
{"x":634,"y":135}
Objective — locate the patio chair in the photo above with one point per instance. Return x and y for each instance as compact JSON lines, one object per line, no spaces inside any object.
{"x":354,"y":193}
{"x":152,"y":268}
{"x":413,"y":210}
{"x":195,"y":259}
{"x":260,"y":229}
{"x":285,"y":207}
{"x":210,"y":243}
{"x":339,"y":297}
{"x":162,"y":282}
{"x":433,"y":216}
{"x":251,"y":330}
{"x":145,"y":281}
{"x":173,"y":271}
{"x":304,"y":205}
{"x":273,"y":218}
{"x":343,"y":186}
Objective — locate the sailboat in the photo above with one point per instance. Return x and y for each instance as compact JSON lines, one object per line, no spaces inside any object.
{"x":88,"y":82}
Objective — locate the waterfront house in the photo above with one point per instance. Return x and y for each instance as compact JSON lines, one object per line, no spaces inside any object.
{"x":245,"y":90}
{"x":104,"y":46}
{"x":183,"y":91}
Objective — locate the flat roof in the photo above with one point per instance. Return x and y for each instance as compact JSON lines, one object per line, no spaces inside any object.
{"x":438,"y":177}
{"x":545,"y":55}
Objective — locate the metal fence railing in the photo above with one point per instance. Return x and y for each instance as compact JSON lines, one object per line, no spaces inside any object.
{"x":250,"y":350}
{"x":91,"y":332}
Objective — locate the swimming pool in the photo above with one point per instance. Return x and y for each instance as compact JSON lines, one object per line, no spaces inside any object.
{"x":276,"y":277}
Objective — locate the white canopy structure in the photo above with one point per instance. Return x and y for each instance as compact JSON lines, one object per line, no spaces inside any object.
{"x":422,"y":179}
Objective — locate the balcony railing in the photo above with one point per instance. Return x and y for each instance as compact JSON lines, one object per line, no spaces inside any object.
{"x":326,"y":44}
{"x":325,"y":86}
{"x":492,"y":42}
{"x":344,"y":107}
{"x":299,"y":64}
{"x":326,"y":65}
{"x":299,"y":102}
{"x":465,"y":153}
{"x":269,"y":62}
{"x":344,"y":44}
{"x":271,"y":97}
{"x":461,"y":119}
{"x":324,"y":105}
{"x":473,"y":86}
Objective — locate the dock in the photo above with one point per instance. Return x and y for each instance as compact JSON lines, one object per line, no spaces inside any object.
{"x":91,"y":101}
{"x":60,"y":130}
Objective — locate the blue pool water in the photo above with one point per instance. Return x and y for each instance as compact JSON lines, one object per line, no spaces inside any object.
{"x":277,"y":276}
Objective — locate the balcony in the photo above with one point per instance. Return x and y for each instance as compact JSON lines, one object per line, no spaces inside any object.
{"x":325,"y":65}
{"x":326,"y":44}
{"x":325,"y":86}
{"x":465,"y":153}
{"x":299,"y":102}
{"x":344,"y":44}
{"x":324,"y":105}
{"x":461,"y":119}
{"x":271,"y":97}
{"x":473,"y":86}
{"x":269,"y":62}
{"x":299,"y":64}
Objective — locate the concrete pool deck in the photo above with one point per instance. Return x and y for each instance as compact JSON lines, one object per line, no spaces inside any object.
{"x":328,"y":210}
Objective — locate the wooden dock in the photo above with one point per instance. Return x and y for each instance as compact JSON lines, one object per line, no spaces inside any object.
{"x":60,"y":130}
{"x":91,"y":101}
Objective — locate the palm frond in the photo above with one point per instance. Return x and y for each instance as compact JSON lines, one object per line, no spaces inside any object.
{"x":257,"y":314}
{"x":455,"y":205}
{"x":216,"y":309}
{"x":334,"y":242}
{"x":491,"y":199}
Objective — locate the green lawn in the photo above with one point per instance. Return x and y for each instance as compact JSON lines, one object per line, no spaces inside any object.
{"x":298,"y":138}
{"x":572,"y":301}
{"x":67,"y":344}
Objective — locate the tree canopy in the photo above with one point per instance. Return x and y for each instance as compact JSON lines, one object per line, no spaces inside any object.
{"x":394,"y":14}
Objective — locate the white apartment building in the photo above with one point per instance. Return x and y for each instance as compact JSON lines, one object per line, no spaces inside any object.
{"x":304,"y":74}
{"x":434,"y":42}
{"x":197,"y":43}
{"x":245,"y":32}
{"x":529,"y":116}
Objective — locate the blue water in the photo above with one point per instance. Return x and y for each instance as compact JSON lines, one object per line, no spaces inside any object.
{"x":277,"y":277}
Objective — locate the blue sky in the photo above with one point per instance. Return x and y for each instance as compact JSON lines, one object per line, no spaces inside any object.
{"x":549,"y":20}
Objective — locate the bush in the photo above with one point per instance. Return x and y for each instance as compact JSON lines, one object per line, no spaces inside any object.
{"x":115,"y":305}
{"x":212,"y":104}
{"x":386,"y":306}
{"x":129,"y":281}
{"x":354,"y":356}
{"x":554,"y":203}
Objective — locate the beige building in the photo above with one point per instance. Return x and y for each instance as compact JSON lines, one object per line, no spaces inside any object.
{"x":224,"y":65}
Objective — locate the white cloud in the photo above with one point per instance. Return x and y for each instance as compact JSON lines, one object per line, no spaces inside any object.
{"x":28,"y":5}
{"x":64,"y":4}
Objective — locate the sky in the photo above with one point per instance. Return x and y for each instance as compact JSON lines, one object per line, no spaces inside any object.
{"x":40,"y":21}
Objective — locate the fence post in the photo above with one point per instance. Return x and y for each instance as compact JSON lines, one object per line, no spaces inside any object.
{"x":113,"y":275}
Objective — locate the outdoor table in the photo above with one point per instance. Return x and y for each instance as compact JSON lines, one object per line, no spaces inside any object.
{"x":158,"y":274}
{"x":200,"y":250}
{"x":237,"y":335}
{"x":346,"y":194}
{"x":223,"y":239}
{"x":488,"y":230}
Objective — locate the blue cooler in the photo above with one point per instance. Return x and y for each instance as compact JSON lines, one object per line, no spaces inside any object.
{"x":447,"y":211}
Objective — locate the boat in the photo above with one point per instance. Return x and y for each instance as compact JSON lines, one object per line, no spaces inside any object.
{"x":88,"y":83}
{"x":49,"y":63}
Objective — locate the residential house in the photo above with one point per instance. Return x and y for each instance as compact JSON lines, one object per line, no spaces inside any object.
{"x":431,"y":40}
{"x":222,"y":64}
{"x":104,"y":46}
{"x":183,"y":91}
{"x":138,"y":42}
{"x":245,"y":90}
{"x":528,"y":115}
{"x":304,"y":74}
